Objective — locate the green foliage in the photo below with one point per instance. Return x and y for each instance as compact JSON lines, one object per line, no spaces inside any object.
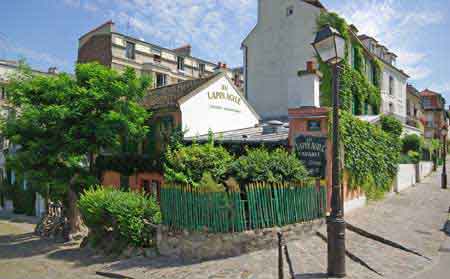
{"x":187,"y":164}
{"x":356,"y":91}
{"x":371,"y":155}
{"x":391,"y":125}
{"x":62,"y":119}
{"x":122,"y":214}
{"x":412,"y":143}
{"x":208,"y":185}
{"x":261,"y":165}
{"x":23,"y":199}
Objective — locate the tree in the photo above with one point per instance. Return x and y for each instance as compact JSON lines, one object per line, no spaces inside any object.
{"x":62,"y":123}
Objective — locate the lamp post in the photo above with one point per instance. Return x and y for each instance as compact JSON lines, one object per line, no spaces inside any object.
{"x":444,"y":133}
{"x":330,"y":47}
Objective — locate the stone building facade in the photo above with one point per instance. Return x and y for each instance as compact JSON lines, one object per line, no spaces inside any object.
{"x":167,"y":66}
{"x":414,"y":108}
{"x":434,"y":112}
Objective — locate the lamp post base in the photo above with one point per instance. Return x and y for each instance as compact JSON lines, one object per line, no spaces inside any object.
{"x":336,"y":247}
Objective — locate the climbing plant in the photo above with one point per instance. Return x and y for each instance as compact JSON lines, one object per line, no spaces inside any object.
{"x":371,"y":155}
{"x":356,"y":91}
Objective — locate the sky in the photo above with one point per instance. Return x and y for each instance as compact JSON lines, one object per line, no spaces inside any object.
{"x":46,"y":32}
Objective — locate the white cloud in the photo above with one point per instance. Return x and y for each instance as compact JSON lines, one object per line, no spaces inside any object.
{"x":394,"y":24}
{"x":214,"y":28}
{"x":31,"y":55}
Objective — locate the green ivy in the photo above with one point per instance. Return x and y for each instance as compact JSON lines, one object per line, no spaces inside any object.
{"x":391,"y":125}
{"x":356,"y":91}
{"x":371,"y":155}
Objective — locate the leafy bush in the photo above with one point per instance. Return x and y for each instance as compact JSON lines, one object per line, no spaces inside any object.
{"x":391,"y":125}
{"x":259,"y":164}
{"x":123,"y":215}
{"x":411,"y":158}
{"x":412,"y":143}
{"x":209,"y":185}
{"x":187,"y":164}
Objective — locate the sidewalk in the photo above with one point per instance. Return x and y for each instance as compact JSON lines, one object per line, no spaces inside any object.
{"x":413,"y":218}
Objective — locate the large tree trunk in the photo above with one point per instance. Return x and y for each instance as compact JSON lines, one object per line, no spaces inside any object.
{"x":73,"y":213}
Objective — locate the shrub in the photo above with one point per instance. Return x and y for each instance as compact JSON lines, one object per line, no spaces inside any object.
{"x":187,"y":164}
{"x":411,"y":158}
{"x":123,"y":215}
{"x":412,"y":143}
{"x":391,"y":125}
{"x":278,"y":165}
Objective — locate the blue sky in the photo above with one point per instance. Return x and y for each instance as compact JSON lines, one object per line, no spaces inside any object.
{"x":46,"y":32}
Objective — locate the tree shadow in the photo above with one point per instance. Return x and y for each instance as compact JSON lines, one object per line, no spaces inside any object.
{"x":311,"y":276}
{"x":24,"y":245}
{"x":29,"y":245}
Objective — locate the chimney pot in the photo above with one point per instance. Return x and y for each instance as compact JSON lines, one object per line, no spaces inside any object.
{"x":310,"y":66}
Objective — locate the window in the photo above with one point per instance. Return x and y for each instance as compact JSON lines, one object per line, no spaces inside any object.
{"x":130,"y":50}
{"x":161,"y":80}
{"x":290,"y":11}
{"x":391,"y":108}
{"x":408,"y":107}
{"x":157,"y":58}
{"x":354,"y":58}
{"x":202,"y":68}
{"x":426,"y":102}
{"x":180,"y":62}
{"x":391,"y":85}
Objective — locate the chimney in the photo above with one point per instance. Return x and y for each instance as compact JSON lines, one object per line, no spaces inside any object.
{"x":184,"y":50}
{"x":304,"y":91}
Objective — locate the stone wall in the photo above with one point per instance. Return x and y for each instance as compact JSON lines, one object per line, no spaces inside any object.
{"x":406,"y":177}
{"x":206,"y":246}
{"x":425,"y":169}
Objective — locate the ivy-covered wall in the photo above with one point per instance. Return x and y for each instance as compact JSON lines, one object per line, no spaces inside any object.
{"x":360,"y":75}
{"x":371,"y":155}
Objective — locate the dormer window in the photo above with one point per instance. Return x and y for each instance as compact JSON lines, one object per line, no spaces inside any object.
{"x":290,"y":11}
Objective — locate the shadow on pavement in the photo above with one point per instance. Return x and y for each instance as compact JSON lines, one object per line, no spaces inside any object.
{"x":311,"y":276}
{"x":13,"y":246}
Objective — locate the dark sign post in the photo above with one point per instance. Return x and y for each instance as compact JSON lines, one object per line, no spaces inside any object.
{"x":312,"y":152}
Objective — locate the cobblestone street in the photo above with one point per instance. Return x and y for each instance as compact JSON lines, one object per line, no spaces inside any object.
{"x":413,"y":218}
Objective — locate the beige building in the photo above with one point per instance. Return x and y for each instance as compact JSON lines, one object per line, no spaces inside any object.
{"x":166,"y":66}
{"x":7,"y":69}
{"x":414,"y":108}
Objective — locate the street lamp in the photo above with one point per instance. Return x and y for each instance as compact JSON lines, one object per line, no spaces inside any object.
{"x":330,"y":47}
{"x":444,"y":133}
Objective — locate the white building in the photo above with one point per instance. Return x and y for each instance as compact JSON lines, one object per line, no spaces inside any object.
{"x":278,"y":49}
{"x":393,"y":82}
{"x":211,"y":104}
{"x":274,"y":51}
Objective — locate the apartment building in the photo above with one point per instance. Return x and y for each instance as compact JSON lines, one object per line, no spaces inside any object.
{"x":166,"y":66}
{"x":393,"y":81}
{"x":7,"y":69}
{"x":434,"y":112}
{"x":414,"y":108}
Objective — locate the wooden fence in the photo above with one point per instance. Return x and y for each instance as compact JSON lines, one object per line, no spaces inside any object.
{"x":260,"y":206}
